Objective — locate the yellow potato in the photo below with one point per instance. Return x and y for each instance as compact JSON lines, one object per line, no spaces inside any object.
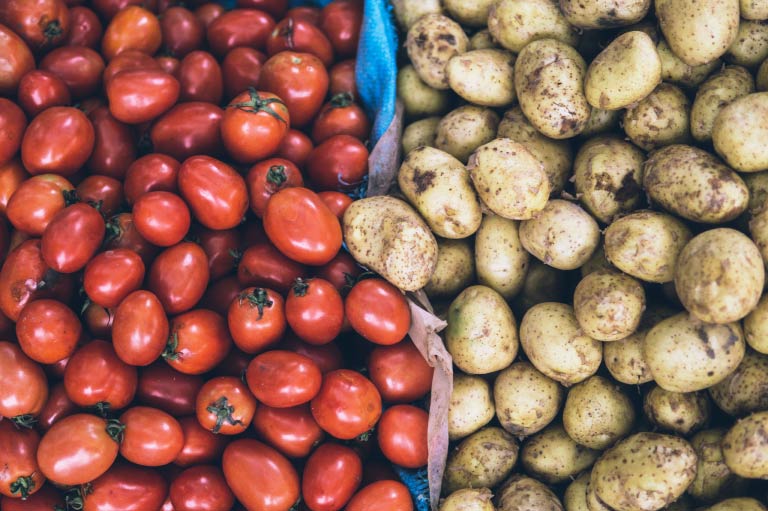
{"x":625,"y":361}
{"x":501,"y":261}
{"x":465,"y":129}
{"x":740,"y":132}
{"x":713,"y":478}
{"x":718,"y":91}
{"x":597,"y":413}
{"x":761,"y":79}
{"x":455,"y":269}
{"x":756,"y":326}
{"x":482,"y":40}
{"x":660,"y":119}
{"x":608,"y":305}
{"x":468,"y":499}
{"x":575,"y":496}
{"x":746,"y":389}
{"x":738,"y":504}
{"x":483,"y":77}
{"x":482,"y":460}
{"x":553,"y":457}
{"x":601,"y":14}
{"x":674,"y":70}
{"x":526,"y":400}
{"x":522,"y":493}
{"x":542,"y":284}
{"x":419,"y":99}
{"x":754,"y":9}
{"x":750,"y":47}
{"x":514,"y":24}
{"x":431,"y":42}
{"x":408,"y":12}
{"x":420,"y":133}
{"x":601,"y":121}
{"x":745,"y":445}
{"x":678,"y":412}
{"x":472,"y":13}
{"x":758,"y":229}
{"x":470,"y":407}
{"x":757,"y":184}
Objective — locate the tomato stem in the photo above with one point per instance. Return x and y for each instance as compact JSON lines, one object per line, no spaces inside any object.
{"x":365,"y":437}
{"x":236,"y":255}
{"x":342,"y":99}
{"x":300,"y":287}
{"x":22,"y":486}
{"x":256,"y":104}
{"x":70,"y":197}
{"x":102,"y":408}
{"x":276,"y":175}
{"x":52,"y":30}
{"x":170,"y":352}
{"x":257,"y":298}
{"x":223,"y":411}
{"x":116,"y":430}
{"x":24,"y":421}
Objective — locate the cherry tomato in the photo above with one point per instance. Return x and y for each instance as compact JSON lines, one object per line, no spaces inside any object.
{"x":339,"y":163}
{"x":79,"y":67}
{"x":301,"y":36}
{"x":341,"y":21}
{"x":263,"y":265}
{"x":200,"y":444}
{"x":224,"y":405}
{"x":382,"y":496}
{"x":208,"y":12}
{"x":188,"y":129}
{"x":59,"y":141}
{"x":400,"y":372}
{"x":96,"y":376}
{"x":378,"y":311}
{"x":201,"y":78}
{"x":163,"y":387}
{"x":133,"y":28}
{"x":330,"y":478}
{"x":130,"y":60}
{"x":201,"y":488}
{"x":114,"y":147}
{"x":234,"y":364}
{"x":57,"y":406}
{"x":12,"y":174}
{"x":337,"y":202}
{"x":300,"y":79}
{"x":183,"y":32}
{"x":214,"y":191}
{"x":162,"y":218}
{"x":20,"y":476}
{"x":275,"y":8}
{"x":151,"y":437}
{"x":98,"y":320}
{"x":15,"y":60}
{"x":402,"y":435}
{"x":179,"y":276}
{"x":292,"y":431}
{"x":43,"y":24}
{"x":253,"y":125}
{"x":267,"y":177}
{"x":140,"y":329}
{"x":126,"y":487}
{"x":256,"y":319}
{"x":123,"y":234}
{"x":23,"y":278}
{"x":78,"y":449}
{"x":25,"y":387}
{"x":170,"y":65}
{"x":341,"y":116}
{"x":220,"y":294}
{"x":307,"y":13}
{"x":44,"y":500}
{"x":314,"y":310}
{"x":347,"y":405}
{"x":72,"y":237}
{"x":85,"y":28}
{"x":104,"y":192}
{"x":282,"y":379}
{"x":342,"y":78}
{"x":241,"y":68}
{"x":13,"y":123}
{"x":295,"y":147}
{"x":36,"y":201}
{"x":152,"y":172}
{"x":48,"y":331}
{"x":221,"y":248}
{"x":112,"y":275}
{"x":199,"y":341}
{"x":259,"y":476}
{"x":141,"y":95}
{"x":239,"y":27}
{"x":327,"y":356}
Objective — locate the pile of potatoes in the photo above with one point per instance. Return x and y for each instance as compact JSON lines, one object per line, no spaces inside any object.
{"x":583,"y":199}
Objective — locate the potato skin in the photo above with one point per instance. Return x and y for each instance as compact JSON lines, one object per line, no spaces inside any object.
{"x":431,"y":42}
{"x":756,"y":326}
{"x":738,"y":504}
{"x":608,"y":305}
{"x":745,"y":390}
{"x":468,"y":499}
{"x":597,"y":14}
{"x":601,"y":121}
{"x":750,"y":47}
{"x":758,"y":230}
{"x":470,"y":407}
{"x":660,"y":119}
{"x":745,"y":445}
{"x":461,"y":131}
{"x":542,"y":284}
{"x":408,"y":12}
{"x":526,"y":400}
{"x":420,"y":133}
{"x":483,"y":77}
{"x":625,"y":361}
{"x":678,"y":412}
{"x":597,"y":413}
{"x":674,"y":70}
{"x":718,"y":91}
{"x":473,"y":13}
{"x":522,"y":493}
{"x":419,"y":99}
{"x":713,"y":478}
{"x":455,"y":269}
{"x":761,"y":78}
{"x":575,"y":496}
{"x":554,"y":457}
{"x":481,"y":460}
{"x":740,"y":131}
{"x":501,"y":261}
{"x":514,"y":24}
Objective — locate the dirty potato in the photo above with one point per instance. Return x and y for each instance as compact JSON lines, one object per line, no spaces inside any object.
{"x":455,"y":269}
{"x":514,"y":24}
{"x":756,"y":327}
{"x":468,"y":499}
{"x":601,"y":121}
{"x":526,"y":400}
{"x":757,"y":184}
{"x":482,"y":40}
{"x":740,"y":132}
{"x":601,"y":14}
{"x":522,"y":493}
{"x":431,"y":42}
{"x":420,"y":133}
{"x":470,"y":407}
{"x":625,"y":361}
{"x":596,"y":262}
{"x":713,"y":477}
{"x":482,"y":460}
{"x":575,"y":496}
{"x":761,"y":78}
{"x":758,"y":230}
{"x":738,"y":504}
{"x":501,"y":261}
{"x":472,"y":13}
{"x":754,"y":9}
{"x":465,"y":129}
{"x":660,"y":119}
{"x":718,"y":91}
{"x":483,"y":77}
{"x":553,"y":457}
{"x":745,"y":390}
{"x":678,"y":412}
{"x":674,"y":70}
{"x":597,"y":413}
{"x":745,"y":445}
{"x":408,"y":12}
{"x":608,"y":305}
{"x":750,"y":47}
{"x":419,"y":99}
{"x":542,"y":284}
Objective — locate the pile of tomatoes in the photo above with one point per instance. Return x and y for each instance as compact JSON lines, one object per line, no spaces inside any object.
{"x":181,"y":327}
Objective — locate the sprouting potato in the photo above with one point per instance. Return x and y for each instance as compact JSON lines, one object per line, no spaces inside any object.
{"x":595,"y":14}
{"x":514,"y":24}
{"x":481,"y":460}
{"x":483,"y":77}
{"x":419,"y":99}
{"x":660,"y":119}
{"x":745,"y":445}
{"x":679,"y":412}
{"x":756,"y":326}
{"x":597,"y":413}
{"x":553,"y":457}
{"x":674,"y":70}
{"x":740,"y":131}
{"x":420,"y":133}
{"x":526,"y":400}
{"x":455,"y":269}
{"x":432,"y":41}
{"x":745,"y":390}
{"x":750,"y":47}
{"x":501,"y":261}
{"x":713,"y":478}
{"x":470,"y":407}
{"x":465,"y":129}
{"x":608,"y":305}
{"x":718,"y":91}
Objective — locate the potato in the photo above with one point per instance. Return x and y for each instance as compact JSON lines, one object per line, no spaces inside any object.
{"x":624,"y":360}
{"x":607,"y":175}
{"x":522,"y":493}
{"x":575,"y":496}
{"x":501,"y":261}
{"x":593,"y":502}
{"x":596,"y":262}
{"x":514,"y":24}
{"x":738,"y":504}
{"x":597,"y":413}
{"x":717,"y":92}
{"x":510,"y":180}
{"x":482,"y":332}
{"x":481,"y":460}
{"x":431,"y":42}
{"x":745,"y":446}
{"x":674,"y":70}
{"x":472,"y":13}
{"x":465,"y":129}
{"x":556,"y":346}
{"x":608,"y":305}
{"x":757,"y":184}
{"x":644,"y":472}
{"x":713,"y":478}
{"x":754,"y":9}
{"x":420,"y":133}
{"x":693,"y":33}
{"x":470,"y":407}
{"x":686,"y":355}
{"x":719,"y":276}
{"x":746,"y":389}
{"x":693,"y":184}
{"x":419,"y":99}
{"x":740,"y":131}
{"x":555,"y":155}
{"x":750,"y":47}
{"x":408,"y":12}
{"x":388,"y":236}
{"x":468,"y":499}
{"x":526,"y":400}
{"x":678,"y":412}
{"x":604,"y":13}
{"x":482,"y":40}
{"x":625,"y":72}
{"x":542,"y":284}
{"x":758,"y":229}
{"x":761,"y":79}
{"x":551,"y":456}
{"x":483,"y":77}
{"x":660,"y":119}
{"x":455,"y":269}
{"x":601,"y":121}
{"x":646,"y":245}
{"x":562,"y":235}
{"x":756,"y":326}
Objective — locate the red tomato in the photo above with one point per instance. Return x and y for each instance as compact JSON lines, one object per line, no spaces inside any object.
{"x":12,"y":174}
{"x":25,"y":387}
{"x":402,"y":435}
{"x":39,"y":90}
{"x":382,"y":496}
{"x":13,"y":123}
{"x":48,"y":331}
{"x":23,"y":278}
{"x":300,"y":79}
{"x":256,"y":319}
{"x":267,"y":177}
{"x":342,"y":78}
{"x":208,"y":12}
{"x":307,"y":13}
{"x":282,"y":379}
{"x":85,"y":28}
{"x":239,"y":27}
{"x":241,"y":68}
{"x":20,"y":476}
{"x":108,"y":8}
{"x":224,"y":405}
{"x":302,"y":36}
{"x":201,"y":78}
{"x":378,"y":311}
{"x":253,"y":125}
{"x":15,"y":60}
{"x":214,"y":191}
{"x":182,"y":31}
{"x":302,"y":227}
{"x":188,"y":129}
{"x":327,"y":356}
{"x":221,"y":248}
{"x":44,"y":500}
{"x":98,"y":320}
{"x":141,"y":95}
{"x":341,"y":21}
{"x":337,"y":202}
{"x":275,"y":8}
{"x":220,"y":294}
{"x":43,"y":24}
{"x":130,"y":60}
{"x":59,"y":140}
{"x":162,"y":218}
{"x":57,"y":406}
{"x":201,"y":488}
{"x":163,"y":387}
{"x":123,"y":234}
{"x":78,"y":449}
{"x":151,"y":437}
{"x":199,"y":341}
{"x":263,"y":265}
{"x":200,"y":445}
{"x":36,"y":201}
{"x":339,"y":163}
{"x":295,"y":147}
{"x":292,"y":431}
{"x":112,"y":275}
{"x":331,"y":476}
{"x":400,"y":372}
{"x":140,"y":329}
{"x":234,"y":364}
{"x":79,"y":67}
{"x":72,"y":237}
{"x":126,"y":487}
{"x":104,"y":192}
{"x":170,"y":65}
{"x":153,"y":172}
{"x":114,"y":147}
{"x":314,"y":310}
{"x":95,"y":376}
{"x":179,"y":276}
{"x":347,"y":405}
{"x":133,"y":28}
{"x":341,"y":116}
{"x":259,"y":476}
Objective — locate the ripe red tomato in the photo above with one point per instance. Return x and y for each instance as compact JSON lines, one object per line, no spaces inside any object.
{"x":256,"y":319}
{"x":253,"y":125}
{"x":214,"y":191}
{"x":339,"y":163}
{"x":78,"y":449}
{"x":114,"y":147}
{"x":130,"y":60}
{"x":300,"y":79}
{"x":302,"y":227}
{"x":201,"y":488}
{"x":72,"y":237}
{"x":188,"y":129}
{"x":225,"y":406}
{"x":382,"y":496}
{"x":151,"y":437}
{"x":378,"y":311}
{"x":239,"y":27}
{"x":267,"y":177}
{"x":103,"y":191}
{"x":36,"y":201}
{"x":179,"y":276}
{"x":199,"y":341}
{"x":13,"y":123}
{"x":307,"y":13}
{"x":400,"y":372}
{"x":15,"y":60}
{"x":85,"y":28}
{"x":23,"y":278}
{"x":98,"y":320}
{"x":292,"y":431}
{"x":44,"y":500}
{"x":314,"y":310}
{"x":79,"y":67}
{"x":259,"y":476}
{"x":12,"y":174}
{"x":108,"y":8}
{"x":295,"y":147}
{"x":347,"y":405}
{"x":327,"y":356}
{"x":141,"y":95}
{"x":221,"y":248}
{"x":162,"y":218}
{"x":25,"y":387}
{"x":263,"y":265}
{"x":43,"y":24}
{"x":57,"y":406}
{"x":112,"y":275}
{"x":170,"y":65}
{"x":341,"y":21}
{"x":183,"y":32}
{"x":126,"y":487}
{"x":301,"y":36}
{"x":152,"y":172}
{"x":208,"y":12}
{"x":402,"y":435}
{"x":121,"y":233}
{"x":95,"y":376}
{"x":59,"y":141}
{"x":48,"y":331}
{"x":330,"y":478}
{"x":139,"y":329}
{"x":200,"y":444}
{"x":337,"y":202}
{"x":283,"y":379}
{"x":201,"y":78}
{"x":275,"y":8}
{"x":241,"y":68}
{"x":341,"y":116}
{"x":20,"y":476}
{"x":133,"y":28}
{"x":163,"y":387}
{"x":342,"y":78}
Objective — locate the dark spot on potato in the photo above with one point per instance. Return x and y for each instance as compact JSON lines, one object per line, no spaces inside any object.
{"x":449,"y":38}
{"x":423,"y":180}
{"x":703,"y":337}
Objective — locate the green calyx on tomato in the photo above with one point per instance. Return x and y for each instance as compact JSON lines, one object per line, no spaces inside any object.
{"x":256,"y":104}
{"x":101,"y":408}
{"x":276,"y":175}
{"x":116,"y":430}
{"x":74,"y":498}
{"x":223,"y":411}
{"x":342,"y":99}
{"x":300,"y":287}
{"x":170,"y":353}
{"x":257,"y":298}
{"x":70,"y":197}
{"x":23,"y":486}
{"x":52,"y":30}
{"x":24,"y":421}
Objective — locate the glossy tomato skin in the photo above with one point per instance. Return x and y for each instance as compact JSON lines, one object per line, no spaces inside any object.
{"x":141,"y":95}
{"x":179,"y":276}
{"x":98,"y":320}
{"x":214,"y":191}
{"x":140,"y":328}
{"x":57,"y":406}
{"x":300,"y":80}
{"x":263,"y":265}
{"x":130,"y":60}
{"x":112,"y":275}
{"x":36,"y":201}
{"x":267,"y":177}
{"x":81,"y":68}
{"x":44,"y":500}
{"x":259,"y":476}
{"x":162,"y":218}
{"x":13,"y":123}
{"x":199,"y":341}
{"x":382,"y":496}
{"x":276,"y":8}
{"x":23,"y":277}
{"x":315,"y":311}
{"x":114,"y":147}
{"x":221,"y":247}
{"x":241,"y":68}
{"x":331,"y":475}
{"x":327,"y":356}
{"x":301,"y":36}
{"x":122,"y":233}
{"x":201,"y":488}
{"x":59,"y":141}
{"x":86,"y":28}
{"x":48,"y":331}
{"x":378,"y":311}
{"x":72,"y":237}
{"x":15,"y":61}
{"x":188,"y":129}
{"x":96,"y":375}
{"x":283,"y":379}
{"x":104,"y":191}
{"x":43,"y":24}
{"x":201,"y":78}
{"x":239,"y":27}
{"x":402,"y":435}
{"x":295,"y":147}
{"x":152,"y":172}
{"x":20,"y":476}
{"x":208,"y":12}
{"x":339,"y":163}
{"x":151,"y":438}
{"x":347,"y":405}
{"x":126,"y":487}
{"x":253,"y":125}
{"x":170,"y":65}
{"x":200,"y":444}
{"x":307,"y":13}
{"x":225,"y":406}
{"x":25,"y":386}
{"x":161,"y":386}
{"x":133,"y":28}
{"x":182,"y":31}
{"x":302,"y":227}
{"x":342,"y":78}
{"x":220,"y":294}
{"x":76,"y":450}
{"x":400,"y":372}
{"x":341,"y":116}
{"x":292,"y":431}
{"x":341,"y":21}
{"x":12,"y":174}
{"x":337,"y":202}
{"x":256,"y":319}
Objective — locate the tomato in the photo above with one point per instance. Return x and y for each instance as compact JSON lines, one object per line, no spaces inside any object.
{"x":253,"y":125}
{"x":295,"y":147}
{"x":301,"y":36}
{"x":98,"y":320}
{"x":342,"y":21}
{"x":130,"y":60}
{"x":201,"y":78}
{"x":292,"y":431}
{"x":43,"y":24}
{"x":162,"y":218}
{"x":214,"y":191}
{"x":15,"y":60}
{"x":275,"y":8}
{"x":114,"y":148}
{"x":104,"y":192}
{"x":256,"y":319}
{"x":241,"y":68}
{"x":224,"y":405}
{"x":133,"y":28}
{"x":140,"y":329}
{"x":170,"y":65}
{"x":12,"y":174}
{"x":220,"y":294}
{"x":79,"y":67}
{"x":183,"y":32}
{"x":300,"y":79}
{"x":108,"y":8}
{"x":239,"y":27}
{"x":341,"y":116}
{"x":283,"y":379}
{"x":267,"y":177}
{"x":331,"y":475}
{"x":57,"y":406}
{"x":13,"y":123}
{"x":44,"y":500}
{"x":314,"y":310}
{"x":378,"y":311}
{"x":121,"y":233}
{"x":85,"y":28}
{"x":72,"y":237}
{"x":208,"y":12}
{"x":179,"y":276}
{"x":200,"y":444}
{"x":59,"y":141}
{"x":402,"y":435}
{"x":96,"y":376}
{"x":306,"y":13}
{"x":23,"y":278}
{"x":36,"y":201}
{"x":48,"y":331}
{"x":126,"y":487}
{"x":152,"y":172}
{"x":337,"y":202}
{"x":382,"y":496}
{"x":347,"y":405}
{"x":163,"y":387}
{"x":199,"y":341}
{"x":342,"y":78}
{"x":112,"y":275}
{"x":339,"y":163}
{"x":25,"y":387}
{"x":141,"y":95}
{"x":20,"y":476}
{"x":302,"y":227}
{"x":188,"y":129}
{"x":327,"y":356}
{"x":221,"y":248}
{"x":78,"y":449}
{"x":201,"y":488}
{"x":263,"y":265}
{"x":151,"y":437}
{"x":400,"y":372}
{"x":259,"y":476}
